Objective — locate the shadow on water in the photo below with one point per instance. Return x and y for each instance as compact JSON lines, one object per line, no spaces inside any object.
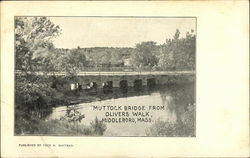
{"x":178,"y":98}
{"x":181,"y":93}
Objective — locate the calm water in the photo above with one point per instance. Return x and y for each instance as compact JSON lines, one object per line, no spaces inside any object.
{"x":166,"y":102}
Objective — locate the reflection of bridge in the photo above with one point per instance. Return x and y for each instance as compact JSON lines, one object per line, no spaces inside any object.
{"x":124,"y":79}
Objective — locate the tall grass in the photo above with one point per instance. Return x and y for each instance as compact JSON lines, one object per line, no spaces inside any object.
{"x":35,"y":126}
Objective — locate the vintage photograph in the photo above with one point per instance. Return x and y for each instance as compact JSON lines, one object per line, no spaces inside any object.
{"x":105,"y":76}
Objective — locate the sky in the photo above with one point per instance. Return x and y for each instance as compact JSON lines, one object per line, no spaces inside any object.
{"x":116,"y":31}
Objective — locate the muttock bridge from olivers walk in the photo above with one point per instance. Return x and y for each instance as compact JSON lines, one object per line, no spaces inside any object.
{"x":85,"y":80}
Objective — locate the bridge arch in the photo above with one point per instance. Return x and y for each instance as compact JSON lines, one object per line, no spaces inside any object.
{"x":151,"y":82}
{"x":123,"y":84}
{"x":138,"y":84}
{"x":107,"y":86}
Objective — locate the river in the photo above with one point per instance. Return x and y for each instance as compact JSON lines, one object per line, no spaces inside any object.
{"x":120,"y":109}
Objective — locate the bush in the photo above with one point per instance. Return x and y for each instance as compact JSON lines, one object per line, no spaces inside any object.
{"x":185,"y":127}
{"x":72,"y":115}
{"x":98,"y":127}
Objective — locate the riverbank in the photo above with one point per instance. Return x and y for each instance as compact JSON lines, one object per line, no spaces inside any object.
{"x":33,"y":126}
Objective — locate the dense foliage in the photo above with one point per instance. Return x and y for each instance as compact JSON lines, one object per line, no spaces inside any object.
{"x":178,"y":53}
{"x":180,"y":128}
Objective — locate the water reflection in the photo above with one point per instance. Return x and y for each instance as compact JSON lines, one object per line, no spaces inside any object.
{"x":176,"y":98}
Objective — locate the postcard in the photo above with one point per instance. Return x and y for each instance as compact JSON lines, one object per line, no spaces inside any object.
{"x":124,"y":79}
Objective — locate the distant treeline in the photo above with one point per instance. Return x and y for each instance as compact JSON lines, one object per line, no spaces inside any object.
{"x":176,"y":54}
{"x":93,"y":59}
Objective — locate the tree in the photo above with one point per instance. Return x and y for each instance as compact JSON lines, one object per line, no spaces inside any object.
{"x":33,"y":50}
{"x":177,"y":34}
{"x":116,"y":57}
{"x":74,"y":61}
{"x":33,"y":42}
{"x":178,"y":53}
{"x":144,"y":54}
{"x":166,"y":58}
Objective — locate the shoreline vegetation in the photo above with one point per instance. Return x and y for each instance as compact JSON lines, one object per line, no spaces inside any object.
{"x":63,"y":126}
{"x":35,"y":96}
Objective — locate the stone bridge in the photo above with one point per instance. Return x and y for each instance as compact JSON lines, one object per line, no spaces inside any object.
{"x":85,"y":80}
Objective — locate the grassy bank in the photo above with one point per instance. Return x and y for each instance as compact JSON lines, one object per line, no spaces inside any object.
{"x":28,"y":125}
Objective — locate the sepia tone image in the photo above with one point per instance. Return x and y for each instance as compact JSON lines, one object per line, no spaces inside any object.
{"x":105,"y":76}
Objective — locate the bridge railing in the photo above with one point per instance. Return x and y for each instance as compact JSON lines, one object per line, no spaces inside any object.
{"x":109,"y":73}
{"x":125,"y":73}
